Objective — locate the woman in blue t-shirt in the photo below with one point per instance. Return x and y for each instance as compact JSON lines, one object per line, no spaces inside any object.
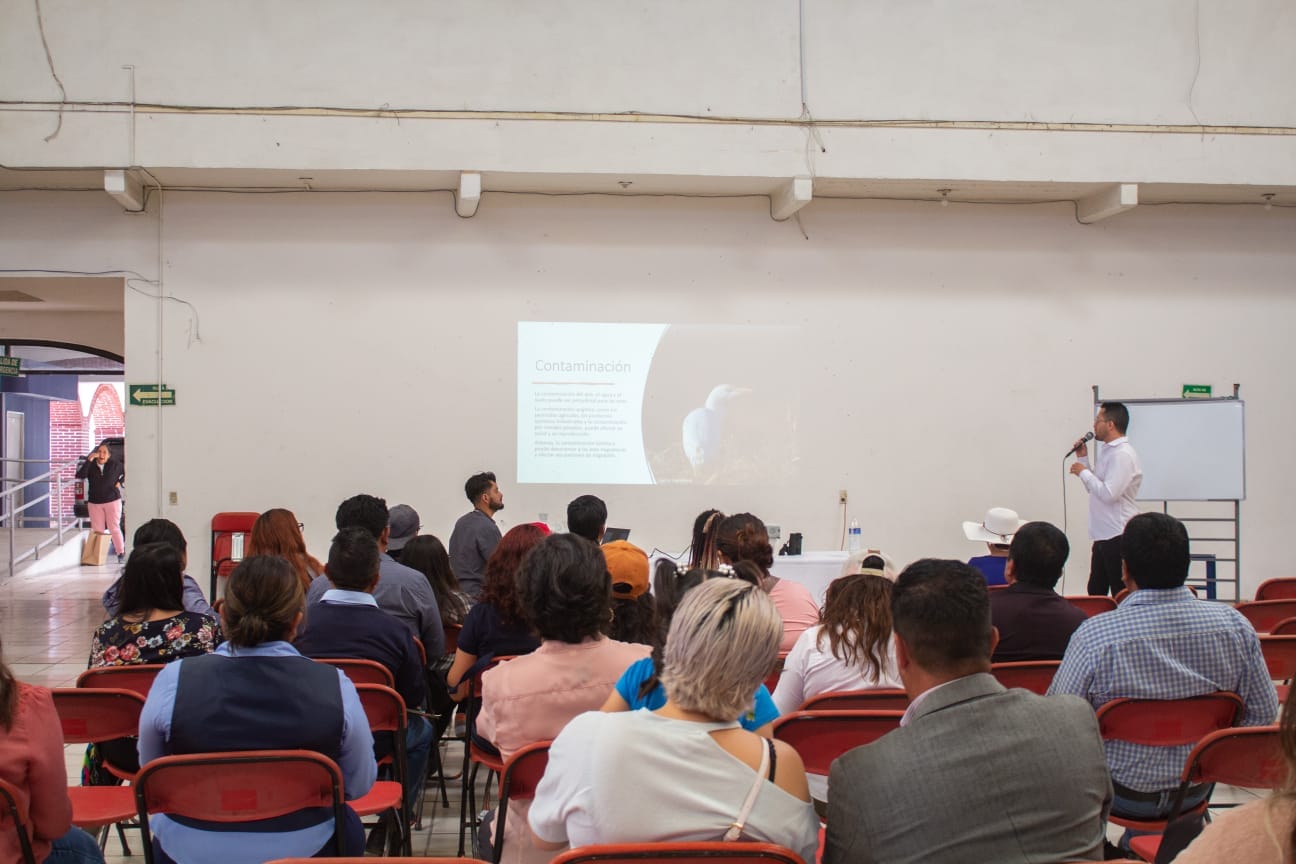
{"x":640,"y":685}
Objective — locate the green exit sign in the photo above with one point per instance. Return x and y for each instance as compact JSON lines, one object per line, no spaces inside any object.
{"x":1196,"y":391}
{"x":151,"y":394}
{"x":10,"y":365}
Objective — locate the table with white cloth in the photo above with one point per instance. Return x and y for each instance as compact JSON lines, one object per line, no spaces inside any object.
{"x":815,"y":570}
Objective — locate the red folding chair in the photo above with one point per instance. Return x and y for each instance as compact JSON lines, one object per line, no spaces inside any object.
{"x":1121,"y":595}
{"x":414,"y":860}
{"x":361,"y":671}
{"x":475,"y":757}
{"x":1250,"y":757}
{"x":1032,"y":675}
{"x":138,"y":678}
{"x":858,"y":700}
{"x":1264,"y":615}
{"x":776,"y":672}
{"x":518,"y":781}
{"x":239,"y":786}
{"x":1091,"y":604}
{"x":1280,"y":658}
{"x":92,"y":716}
{"x":1165,"y":723}
{"x":385,"y":710}
{"x":224,"y":528}
{"x":1285,"y":627}
{"x":821,"y":736}
{"x":13,"y":814}
{"x":700,"y":852}
{"x":1283,"y":588}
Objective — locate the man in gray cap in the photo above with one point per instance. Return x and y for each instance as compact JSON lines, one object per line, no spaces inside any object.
{"x":404,"y":524}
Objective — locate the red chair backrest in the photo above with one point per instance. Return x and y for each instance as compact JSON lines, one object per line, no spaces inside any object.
{"x":97,"y":714}
{"x":234,"y":521}
{"x":418,"y":643}
{"x":1248,"y":756}
{"x":1032,"y":675}
{"x":700,"y":852}
{"x":1277,"y":589}
{"x":821,"y":736}
{"x":1265,"y":614}
{"x":13,"y":815}
{"x":1285,"y":627}
{"x":522,"y":772}
{"x":383,"y":706}
{"x":858,"y":700}
{"x":1279,"y":655}
{"x":1091,"y":604}
{"x":1168,"y":722}
{"x":1121,"y":595}
{"x":138,"y":677}
{"x":361,"y":671}
{"x":239,"y":786}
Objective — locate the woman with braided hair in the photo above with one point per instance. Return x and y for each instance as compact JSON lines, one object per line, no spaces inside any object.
{"x":742,"y":537}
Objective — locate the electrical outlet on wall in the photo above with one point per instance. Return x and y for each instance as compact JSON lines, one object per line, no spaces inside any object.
{"x":774,"y":532}
{"x":841,"y":495}
{"x":174,"y":498}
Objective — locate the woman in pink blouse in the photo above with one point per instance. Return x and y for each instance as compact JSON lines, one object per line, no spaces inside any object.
{"x":31,"y":758}
{"x":742,"y":537}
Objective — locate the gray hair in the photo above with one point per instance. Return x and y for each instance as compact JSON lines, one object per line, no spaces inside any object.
{"x":723,"y":640}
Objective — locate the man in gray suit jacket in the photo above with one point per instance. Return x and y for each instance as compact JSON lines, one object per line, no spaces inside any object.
{"x":975,"y":773}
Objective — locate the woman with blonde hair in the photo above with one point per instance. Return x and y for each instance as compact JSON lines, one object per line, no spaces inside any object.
{"x":277,"y":532}
{"x":689,"y":764}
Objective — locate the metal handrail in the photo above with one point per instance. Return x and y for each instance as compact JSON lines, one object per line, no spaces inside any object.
{"x":12,"y":515}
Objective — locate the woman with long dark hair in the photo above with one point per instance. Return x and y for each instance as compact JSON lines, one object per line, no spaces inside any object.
{"x":257,"y":693}
{"x":743,"y":537}
{"x":277,"y":532}
{"x":426,"y":554}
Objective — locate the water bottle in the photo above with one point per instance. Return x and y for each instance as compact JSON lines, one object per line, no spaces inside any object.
{"x":854,"y":541}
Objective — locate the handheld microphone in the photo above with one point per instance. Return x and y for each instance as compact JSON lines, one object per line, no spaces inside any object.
{"x":1088,"y":436}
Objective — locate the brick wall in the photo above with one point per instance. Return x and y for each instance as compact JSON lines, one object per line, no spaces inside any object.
{"x":68,"y":440}
{"x":106,"y":418}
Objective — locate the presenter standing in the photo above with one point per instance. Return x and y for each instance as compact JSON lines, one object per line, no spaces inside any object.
{"x":1112,"y":482}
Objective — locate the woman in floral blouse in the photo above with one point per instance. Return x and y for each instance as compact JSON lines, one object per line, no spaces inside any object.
{"x":153,"y":627}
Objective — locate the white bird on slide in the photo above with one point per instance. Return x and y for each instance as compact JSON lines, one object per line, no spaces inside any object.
{"x":704,"y":428}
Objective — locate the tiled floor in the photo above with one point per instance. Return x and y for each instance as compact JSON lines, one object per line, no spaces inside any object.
{"x":46,"y":622}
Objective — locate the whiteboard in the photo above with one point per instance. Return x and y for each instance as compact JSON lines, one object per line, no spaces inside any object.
{"x":1190,"y":449}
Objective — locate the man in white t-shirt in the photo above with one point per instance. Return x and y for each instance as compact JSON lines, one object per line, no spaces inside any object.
{"x":1112,"y":483}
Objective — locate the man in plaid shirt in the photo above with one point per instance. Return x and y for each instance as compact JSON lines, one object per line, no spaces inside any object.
{"x":1162,"y":643}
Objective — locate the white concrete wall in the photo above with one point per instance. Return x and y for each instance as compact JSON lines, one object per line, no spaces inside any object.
{"x":365,"y":343}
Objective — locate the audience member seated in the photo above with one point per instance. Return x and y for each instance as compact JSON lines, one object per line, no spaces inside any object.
{"x":587,"y":517}
{"x":1258,"y":832}
{"x":685,"y":771}
{"x":277,"y":532}
{"x":31,"y":758}
{"x":1162,"y":643}
{"x":348,"y":623}
{"x":854,"y":563}
{"x":742,"y":537}
{"x":640,"y":686}
{"x":702,"y":550}
{"x":567,"y":593}
{"x":1033,"y":620}
{"x":975,"y":773}
{"x":257,"y":693}
{"x":401,"y":592}
{"x":996,"y":531}
{"x":496,"y":625}
{"x":634,"y":611}
{"x":850,"y":650}
{"x":163,"y":531}
{"x":152,"y":629}
{"x":404,"y":524}
{"x":426,"y":554}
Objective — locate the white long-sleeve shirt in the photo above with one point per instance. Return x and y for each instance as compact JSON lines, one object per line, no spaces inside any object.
{"x":1112,"y":483}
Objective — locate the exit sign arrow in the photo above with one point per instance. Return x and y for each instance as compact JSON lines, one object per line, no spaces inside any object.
{"x":152,"y":394}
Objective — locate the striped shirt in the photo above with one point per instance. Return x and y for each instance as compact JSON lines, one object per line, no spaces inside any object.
{"x":1165,"y":644}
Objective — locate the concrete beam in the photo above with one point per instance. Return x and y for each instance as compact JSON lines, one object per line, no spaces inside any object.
{"x":790,"y":197}
{"x":469,"y":194}
{"x":124,"y":189}
{"x":1107,"y":202}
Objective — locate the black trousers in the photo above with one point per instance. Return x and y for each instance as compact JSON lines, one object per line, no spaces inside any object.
{"x":1105,"y":567}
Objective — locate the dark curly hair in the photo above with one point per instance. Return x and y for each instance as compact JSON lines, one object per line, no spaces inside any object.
{"x":499,"y":581}
{"x":566,"y":589}
{"x":742,"y":537}
{"x":362,"y":511}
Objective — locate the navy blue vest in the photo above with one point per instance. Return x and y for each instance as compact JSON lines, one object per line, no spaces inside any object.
{"x":257,"y":703}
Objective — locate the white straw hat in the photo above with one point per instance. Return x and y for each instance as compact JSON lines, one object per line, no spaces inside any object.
{"x":999,"y":526}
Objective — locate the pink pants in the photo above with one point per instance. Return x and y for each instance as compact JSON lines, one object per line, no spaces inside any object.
{"x":106,"y":518}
